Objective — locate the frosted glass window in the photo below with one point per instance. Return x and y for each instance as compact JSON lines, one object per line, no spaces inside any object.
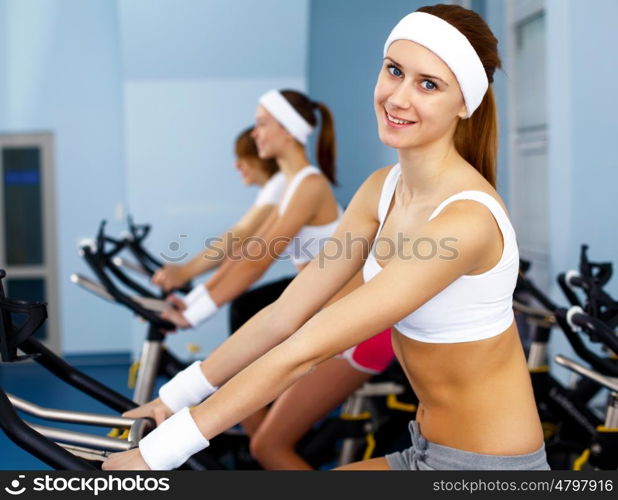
{"x":529,"y":127}
{"x":23,"y":224}
{"x":530,"y":78}
{"x":531,"y":224}
{"x":27,"y":224}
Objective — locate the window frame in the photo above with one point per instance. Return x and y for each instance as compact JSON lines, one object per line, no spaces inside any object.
{"x":48,"y":269}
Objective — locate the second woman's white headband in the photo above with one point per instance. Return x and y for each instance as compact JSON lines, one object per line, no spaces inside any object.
{"x":286,"y":115}
{"x":450,"y":45}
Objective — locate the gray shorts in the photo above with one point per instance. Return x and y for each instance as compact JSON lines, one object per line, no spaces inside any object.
{"x":425,"y":455}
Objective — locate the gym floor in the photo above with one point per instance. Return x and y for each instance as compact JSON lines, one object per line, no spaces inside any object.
{"x":30,"y":381}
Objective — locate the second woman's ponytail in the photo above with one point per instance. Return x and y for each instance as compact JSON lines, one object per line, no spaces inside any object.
{"x":326,"y":147}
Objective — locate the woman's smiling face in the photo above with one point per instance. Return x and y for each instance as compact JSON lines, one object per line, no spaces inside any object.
{"x":417,"y":98}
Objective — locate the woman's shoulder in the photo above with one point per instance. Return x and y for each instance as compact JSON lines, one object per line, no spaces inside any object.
{"x":312,"y":189}
{"x":475,"y":215}
{"x":471,"y":207}
{"x":367,"y":196}
{"x":371,"y":186}
{"x":477,"y":196}
{"x":315,"y":182}
{"x":376,"y":179}
{"x":472,"y":183}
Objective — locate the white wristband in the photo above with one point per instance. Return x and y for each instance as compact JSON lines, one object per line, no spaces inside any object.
{"x":188,"y":387}
{"x":201,"y":309}
{"x":172,"y":443}
{"x":198,"y":292}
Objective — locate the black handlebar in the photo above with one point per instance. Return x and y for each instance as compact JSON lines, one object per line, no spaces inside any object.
{"x":17,"y":334}
{"x":591,"y":278}
{"x":600,"y":311}
{"x":100,"y":265}
{"x":35,"y":443}
{"x":138,"y":233}
{"x":105,"y":259}
{"x":598,"y":331}
{"x":568,"y":291}
{"x":597,"y":272}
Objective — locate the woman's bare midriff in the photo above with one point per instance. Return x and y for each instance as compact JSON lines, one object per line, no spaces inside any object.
{"x":474,"y":396}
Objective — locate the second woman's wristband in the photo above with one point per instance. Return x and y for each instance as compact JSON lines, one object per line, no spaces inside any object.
{"x":188,"y":387}
{"x":201,"y":309}
{"x":198,"y":292}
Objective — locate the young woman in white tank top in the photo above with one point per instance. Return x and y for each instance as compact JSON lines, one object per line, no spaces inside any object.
{"x":447,"y":286}
{"x":305,"y":218}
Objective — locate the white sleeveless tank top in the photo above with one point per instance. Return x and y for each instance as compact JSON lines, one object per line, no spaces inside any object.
{"x":272,"y":191}
{"x":473,"y":307}
{"x":308,"y":242}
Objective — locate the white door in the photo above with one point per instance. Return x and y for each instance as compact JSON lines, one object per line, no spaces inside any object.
{"x":27,"y":224}
{"x":528,"y":169}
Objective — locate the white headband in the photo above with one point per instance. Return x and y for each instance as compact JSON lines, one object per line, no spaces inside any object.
{"x":450,"y":45}
{"x":286,"y":115}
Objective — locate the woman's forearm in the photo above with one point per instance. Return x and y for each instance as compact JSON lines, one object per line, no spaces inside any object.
{"x":256,"y":337}
{"x":221,"y":248}
{"x":221,"y":274}
{"x":347,"y":322}
{"x":253,"y":388}
{"x":239,"y":276}
{"x":217,"y":251}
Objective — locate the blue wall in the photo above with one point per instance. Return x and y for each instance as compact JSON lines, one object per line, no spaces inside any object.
{"x":61,"y":73}
{"x":583,"y":173}
{"x":345,"y":55}
{"x":196,"y":39}
{"x":592,"y":80}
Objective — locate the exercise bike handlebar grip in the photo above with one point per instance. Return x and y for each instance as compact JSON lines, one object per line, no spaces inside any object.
{"x":148,"y":264}
{"x":35,"y":443}
{"x":594,"y":327}
{"x":610,"y":383}
{"x":596,"y":330}
{"x":574,"y":279}
{"x":568,"y":290}
{"x":135,"y":229}
{"x":575,"y":324}
{"x":152,"y":317}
